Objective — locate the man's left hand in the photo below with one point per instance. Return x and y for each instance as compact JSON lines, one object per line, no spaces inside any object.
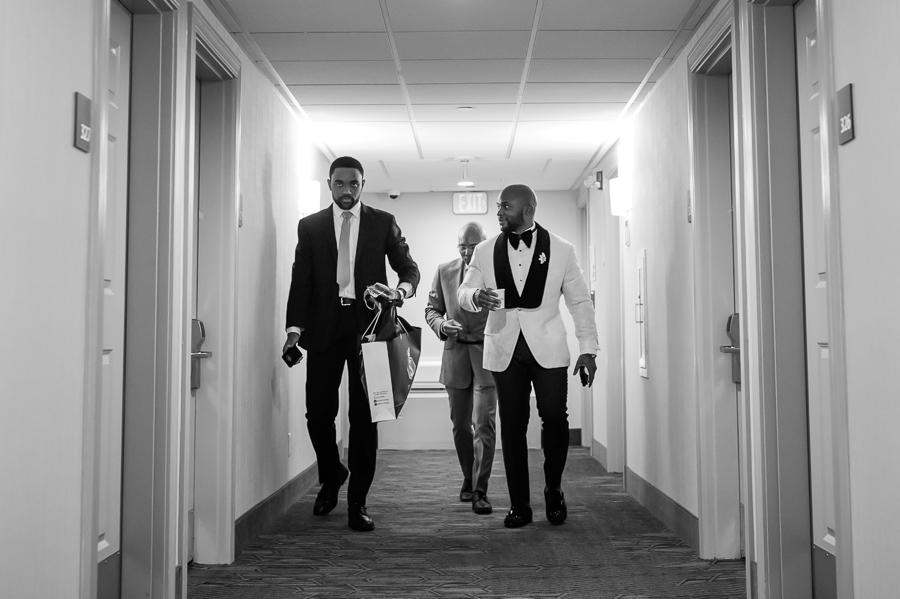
{"x":586,"y":366}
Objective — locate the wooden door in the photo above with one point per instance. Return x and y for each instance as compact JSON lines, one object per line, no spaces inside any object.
{"x":821,"y":451}
{"x":114,"y":244}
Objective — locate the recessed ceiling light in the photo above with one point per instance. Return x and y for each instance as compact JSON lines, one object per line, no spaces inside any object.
{"x":465,"y":108}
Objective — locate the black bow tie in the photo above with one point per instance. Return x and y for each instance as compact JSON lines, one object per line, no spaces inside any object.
{"x":526,"y":237}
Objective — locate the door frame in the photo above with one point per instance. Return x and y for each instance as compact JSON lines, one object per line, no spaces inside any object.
{"x":769,"y":213}
{"x":719,"y":477}
{"x":214,"y":459}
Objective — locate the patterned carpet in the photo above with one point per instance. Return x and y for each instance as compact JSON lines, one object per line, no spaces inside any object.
{"x":426,"y":544}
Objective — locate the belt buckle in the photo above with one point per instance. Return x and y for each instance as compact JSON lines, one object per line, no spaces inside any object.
{"x":346,"y":301}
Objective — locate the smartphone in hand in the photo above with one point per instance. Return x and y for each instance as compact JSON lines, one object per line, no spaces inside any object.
{"x":292,"y":356}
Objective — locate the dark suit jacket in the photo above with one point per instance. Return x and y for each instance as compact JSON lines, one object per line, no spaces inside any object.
{"x":313,"y":299}
{"x":461,"y":361}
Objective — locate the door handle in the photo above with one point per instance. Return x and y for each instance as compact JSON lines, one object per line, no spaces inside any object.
{"x":729,"y":349}
{"x":201,"y":354}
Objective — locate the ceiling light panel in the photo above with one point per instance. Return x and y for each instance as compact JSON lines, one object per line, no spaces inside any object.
{"x":460,"y":94}
{"x":479,"y":140}
{"x":324,"y":46}
{"x":588,"y":70}
{"x":461,"y":15}
{"x":576,"y":140}
{"x":606,"y":111}
{"x":462,"y":45}
{"x":600,"y":44}
{"x":322,"y":72}
{"x":451,"y":112}
{"x":357,"y":113}
{"x":308,"y":15}
{"x":463,"y":71}
{"x":614,"y":14}
{"x":579,"y":92}
{"x":369,"y":142}
{"x":347,"y":94}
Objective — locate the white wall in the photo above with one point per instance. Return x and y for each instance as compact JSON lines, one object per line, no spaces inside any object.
{"x":431,"y":229}
{"x":866,"y":54}
{"x":43,"y":266}
{"x":280,"y":167}
{"x":608,"y":390}
{"x":661,"y":410}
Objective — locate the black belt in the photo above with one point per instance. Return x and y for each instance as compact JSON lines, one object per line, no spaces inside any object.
{"x":466,"y":342}
{"x":346,"y":301}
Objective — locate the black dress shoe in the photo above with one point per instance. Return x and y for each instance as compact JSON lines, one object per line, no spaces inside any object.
{"x":480,"y":503}
{"x":555,"y":503}
{"x":327,"y":498}
{"x":465,"y":494}
{"x":519,"y":515}
{"x":358,"y":518}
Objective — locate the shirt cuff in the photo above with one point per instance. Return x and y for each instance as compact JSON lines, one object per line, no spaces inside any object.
{"x":298,"y":330}
{"x":407,"y":289}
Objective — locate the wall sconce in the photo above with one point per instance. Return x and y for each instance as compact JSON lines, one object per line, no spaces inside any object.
{"x":620,"y":192}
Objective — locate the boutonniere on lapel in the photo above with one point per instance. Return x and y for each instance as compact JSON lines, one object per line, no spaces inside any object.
{"x":542,"y":258}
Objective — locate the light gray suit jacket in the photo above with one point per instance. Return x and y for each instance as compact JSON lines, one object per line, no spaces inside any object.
{"x":460,"y":361}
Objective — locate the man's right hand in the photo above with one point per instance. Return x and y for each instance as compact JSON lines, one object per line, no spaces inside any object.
{"x":487,"y":299}
{"x":451,"y":328}
{"x":292,"y":339}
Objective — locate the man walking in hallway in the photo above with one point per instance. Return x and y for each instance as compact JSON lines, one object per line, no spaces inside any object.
{"x":525,"y":341}
{"x":340,"y":251}
{"x":473,"y":396}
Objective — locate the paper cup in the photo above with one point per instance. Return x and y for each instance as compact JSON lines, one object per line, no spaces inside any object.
{"x":501,"y":293}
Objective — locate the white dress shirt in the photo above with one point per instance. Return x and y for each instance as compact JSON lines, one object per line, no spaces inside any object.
{"x":338,"y":213}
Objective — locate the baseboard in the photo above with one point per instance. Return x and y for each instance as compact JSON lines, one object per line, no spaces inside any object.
{"x":682,"y":522}
{"x":109,"y":577}
{"x":255,"y":520}
{"x":598,"y":452}
{"x":574,"y":437}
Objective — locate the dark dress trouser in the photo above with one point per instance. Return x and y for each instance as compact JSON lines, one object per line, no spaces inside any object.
{"x":514,"y":400}
{"x":323,"y":378}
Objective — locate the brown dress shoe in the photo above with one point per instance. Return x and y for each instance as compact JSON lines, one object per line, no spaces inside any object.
{"x":327,"y":498}
{"x":480,"y":503}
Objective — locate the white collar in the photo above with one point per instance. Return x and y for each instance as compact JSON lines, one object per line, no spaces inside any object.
{"x":337,"y":211}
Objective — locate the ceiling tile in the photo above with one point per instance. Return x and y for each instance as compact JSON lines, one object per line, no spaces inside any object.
{"x":347,"y":94}
{"x":463,"y":71}
{"x":357,"y":113}
{"x":369,"y":142}
{"x":449,"y":112}
{"x":600,"y":44}
{"x":308,"y":15}
{"x":579,"y":92}
{"x":299,"y":72}
{"x":324,"y":46}
{"x":614,"y":14}
{"x":587,"y":70}
{"x":446,"y":140}
{"x":576,"y":140}
{"x":605,"y":111}
{"x":462,"y":44}
{"x":479,"y":93}
{"x":461,"y":15}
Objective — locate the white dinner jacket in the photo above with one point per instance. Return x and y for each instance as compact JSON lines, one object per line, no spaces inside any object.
{"x":542,"y":327}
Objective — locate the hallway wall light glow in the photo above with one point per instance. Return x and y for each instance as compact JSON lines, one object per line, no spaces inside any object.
{"x":620,"y":196}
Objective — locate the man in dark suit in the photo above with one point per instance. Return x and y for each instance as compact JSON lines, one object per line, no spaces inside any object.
{"x":341,"y":251}
{"x":473,"y":396}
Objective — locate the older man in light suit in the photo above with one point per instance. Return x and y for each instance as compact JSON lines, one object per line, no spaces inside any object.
{"x":525,"y":341}
{"x":473,"y":396}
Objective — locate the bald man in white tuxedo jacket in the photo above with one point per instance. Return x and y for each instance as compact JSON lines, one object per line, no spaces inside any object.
{"x":525,"y":341}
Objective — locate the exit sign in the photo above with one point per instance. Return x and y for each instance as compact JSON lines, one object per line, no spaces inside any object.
{"x":470,"y":202}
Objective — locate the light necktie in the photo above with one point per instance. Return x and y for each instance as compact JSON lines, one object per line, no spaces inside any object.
{"x":343,"y":269}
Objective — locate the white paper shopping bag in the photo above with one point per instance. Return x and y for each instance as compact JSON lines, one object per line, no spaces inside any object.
{"x":377,"y":380}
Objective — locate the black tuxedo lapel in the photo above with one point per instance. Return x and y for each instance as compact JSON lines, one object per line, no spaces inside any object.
{"x":533,"y":292}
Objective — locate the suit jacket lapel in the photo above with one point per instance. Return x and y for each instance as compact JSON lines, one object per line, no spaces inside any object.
{"x":533,"y":292}
{"x":362,"y":238}
{"x":328,"y":231}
